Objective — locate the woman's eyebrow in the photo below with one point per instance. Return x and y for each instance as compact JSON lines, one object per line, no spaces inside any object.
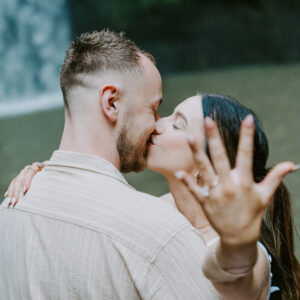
{"x":179,"y":114}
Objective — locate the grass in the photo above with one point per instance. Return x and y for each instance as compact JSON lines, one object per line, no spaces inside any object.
{"x":273,"y":92}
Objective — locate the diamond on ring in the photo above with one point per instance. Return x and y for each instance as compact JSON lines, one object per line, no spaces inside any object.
{"x":205,"y":190}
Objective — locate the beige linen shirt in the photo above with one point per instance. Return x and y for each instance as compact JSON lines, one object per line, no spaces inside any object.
{"x":82,"y":232}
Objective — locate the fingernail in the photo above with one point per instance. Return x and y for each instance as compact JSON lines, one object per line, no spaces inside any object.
{"x":13,"y":200}
{"x":209,"y":124}
{"x":41,"y":165}
{"x":24,"y":189}
{"x":296,"y":168}
{"x":9,"y":202}
{"x":179,"y":174}
{"x":5,"y":193}
{"x":249,"y":121}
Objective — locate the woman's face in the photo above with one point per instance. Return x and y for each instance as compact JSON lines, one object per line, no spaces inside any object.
{"x":170,"y":151}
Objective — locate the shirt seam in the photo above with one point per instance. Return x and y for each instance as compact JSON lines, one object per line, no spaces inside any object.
{"x":122,"y":180}
{"x":148,"y":258}
{"x":153,"y":260}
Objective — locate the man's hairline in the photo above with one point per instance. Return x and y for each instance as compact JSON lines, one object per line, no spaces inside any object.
{"x":113,"y":74}
{"x":109,"y":76}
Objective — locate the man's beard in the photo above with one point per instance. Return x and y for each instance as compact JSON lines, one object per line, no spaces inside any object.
{"x":131,"y":150}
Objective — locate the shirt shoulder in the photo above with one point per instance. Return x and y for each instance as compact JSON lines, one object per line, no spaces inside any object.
{"x":104,"y":204}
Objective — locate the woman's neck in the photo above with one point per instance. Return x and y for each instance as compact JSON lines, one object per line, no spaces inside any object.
{"x":191,"y":209}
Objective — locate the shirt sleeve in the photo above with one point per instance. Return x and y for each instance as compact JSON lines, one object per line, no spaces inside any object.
{"x":176,"y":271}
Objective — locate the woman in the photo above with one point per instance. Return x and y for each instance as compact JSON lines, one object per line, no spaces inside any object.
{"x":230,"y":197}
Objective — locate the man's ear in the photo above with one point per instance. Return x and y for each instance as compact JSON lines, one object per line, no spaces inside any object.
{"x":109,"y":102}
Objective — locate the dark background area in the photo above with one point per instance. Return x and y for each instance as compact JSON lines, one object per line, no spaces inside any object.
{"x":187,"y":35}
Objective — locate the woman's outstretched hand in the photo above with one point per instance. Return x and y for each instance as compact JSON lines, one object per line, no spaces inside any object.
{"x":232,"y":201}
{"x":22,"y":182}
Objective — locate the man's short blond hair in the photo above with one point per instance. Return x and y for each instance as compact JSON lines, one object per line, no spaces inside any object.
{"x":96,"y":52}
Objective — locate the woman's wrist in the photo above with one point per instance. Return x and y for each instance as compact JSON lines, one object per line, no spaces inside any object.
{"x":226,"y":265}
{"x":236,"y":259}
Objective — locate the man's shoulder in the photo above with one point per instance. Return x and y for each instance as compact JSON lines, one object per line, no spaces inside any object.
{"x":110,"y":208}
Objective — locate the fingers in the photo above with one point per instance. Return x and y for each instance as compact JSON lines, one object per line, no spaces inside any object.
{"x":22,"y":182}
{"x":244,"y":160}
{"x":269,"y":185}
{"x":10,"y":192}
{"x":217,"y":150}
{"x":17,"y":189}
{"x":192,"y":186}
{"x":27,"y":179}
{"x":203,"y":164}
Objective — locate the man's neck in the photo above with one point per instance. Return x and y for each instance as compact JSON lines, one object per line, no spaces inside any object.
{"x":87,"y":142}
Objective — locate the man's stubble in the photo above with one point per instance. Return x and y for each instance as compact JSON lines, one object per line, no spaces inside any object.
{"x":131,"y":147}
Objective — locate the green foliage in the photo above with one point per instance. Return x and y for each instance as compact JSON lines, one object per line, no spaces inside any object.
{"x":153,"y":3}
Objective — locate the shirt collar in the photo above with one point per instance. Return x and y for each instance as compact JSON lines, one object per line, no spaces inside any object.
{"x":86,"y":162}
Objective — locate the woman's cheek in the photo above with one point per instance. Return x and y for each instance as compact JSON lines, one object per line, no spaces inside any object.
{"x":179,"y":155}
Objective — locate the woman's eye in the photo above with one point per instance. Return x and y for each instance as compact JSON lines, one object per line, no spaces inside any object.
{"x":175,"y":127}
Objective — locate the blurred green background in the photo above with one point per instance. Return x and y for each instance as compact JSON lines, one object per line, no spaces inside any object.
{"x":273,"y":92}
{"x":249,"y":49}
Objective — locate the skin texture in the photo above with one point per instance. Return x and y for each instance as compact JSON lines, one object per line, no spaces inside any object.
{"x":138,"y":119}
{"x":170,"y":150}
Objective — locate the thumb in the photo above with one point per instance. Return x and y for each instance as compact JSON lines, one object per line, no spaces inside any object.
{"x":271,"y":182}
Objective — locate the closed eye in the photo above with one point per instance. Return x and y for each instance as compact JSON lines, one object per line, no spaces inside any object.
{"x":175,"y":127}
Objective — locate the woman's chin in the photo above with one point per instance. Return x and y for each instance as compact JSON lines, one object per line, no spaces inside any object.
{"x":159,"y":167}
{"x":155,"y":165}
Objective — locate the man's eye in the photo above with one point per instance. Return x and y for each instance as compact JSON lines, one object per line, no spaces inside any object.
{"x":175,"y":127}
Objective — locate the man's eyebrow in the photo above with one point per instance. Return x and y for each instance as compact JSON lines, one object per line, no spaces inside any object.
{"x":181,"y":115}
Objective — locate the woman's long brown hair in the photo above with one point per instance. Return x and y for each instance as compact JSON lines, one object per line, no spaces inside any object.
{"x":277,"y":232}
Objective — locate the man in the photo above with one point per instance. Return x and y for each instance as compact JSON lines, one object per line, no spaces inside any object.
{"x":83,"y":232}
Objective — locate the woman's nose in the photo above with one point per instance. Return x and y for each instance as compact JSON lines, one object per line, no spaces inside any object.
{"x":159,"y":126}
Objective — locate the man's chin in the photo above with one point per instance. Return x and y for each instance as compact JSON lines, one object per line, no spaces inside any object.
{"x":134,"y":166}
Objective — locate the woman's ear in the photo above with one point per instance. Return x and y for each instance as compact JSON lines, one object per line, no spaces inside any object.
{"x":109,"y":102}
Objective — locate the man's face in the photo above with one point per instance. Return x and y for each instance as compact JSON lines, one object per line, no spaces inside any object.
{"x":138,"y":123}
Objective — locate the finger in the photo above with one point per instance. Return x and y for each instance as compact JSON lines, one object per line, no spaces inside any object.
{"x":203,"y":164}
{"x":217,"y":150}
{"x":27,"y":179}
{"x":17,"y":189}
{"x":192,"y":186}
{"x":10,"y":191}
{"x":37,"y":166}
{"x":22,"y":184}
{"x":269,"y":185}
{"x":244,"y":161}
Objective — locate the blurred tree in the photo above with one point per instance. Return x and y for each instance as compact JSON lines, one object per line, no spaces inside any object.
{"x":197,"y":34}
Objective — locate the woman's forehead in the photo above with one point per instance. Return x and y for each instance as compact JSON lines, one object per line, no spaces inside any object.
{"x":191,"y":106}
